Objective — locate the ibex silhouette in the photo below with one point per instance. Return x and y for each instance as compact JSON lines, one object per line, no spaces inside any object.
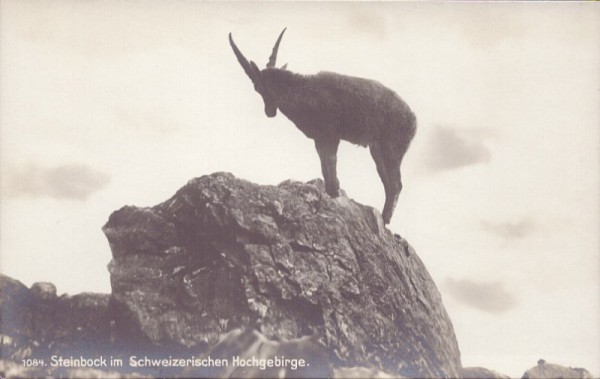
{"x":329,"y":107}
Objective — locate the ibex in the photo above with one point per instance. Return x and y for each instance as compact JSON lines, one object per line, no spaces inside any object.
{"x":329,"y":107}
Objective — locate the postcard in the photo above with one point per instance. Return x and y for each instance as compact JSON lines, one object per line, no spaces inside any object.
{"x":299,"y":189}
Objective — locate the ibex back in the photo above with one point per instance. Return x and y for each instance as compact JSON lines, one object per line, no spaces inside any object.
{"x":329,"y":107}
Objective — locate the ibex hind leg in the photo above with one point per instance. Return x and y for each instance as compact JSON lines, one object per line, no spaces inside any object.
{"x":393,"y":149}
{"x":395,"y":187}
{"x":384,"y":167}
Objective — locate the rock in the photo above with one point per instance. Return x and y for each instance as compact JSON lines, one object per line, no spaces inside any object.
{"x":15,"y":310}
{"x":38,"y":323}
{"x":287,"y":260}
{"x":44,"y":290}
{"x":545,"y":370}
{"x":362,"y":373}
{"x":481,"y":373}
{"x":9,"y":369}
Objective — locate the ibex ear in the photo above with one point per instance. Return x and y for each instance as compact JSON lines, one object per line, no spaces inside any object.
{"x":255,"y":70}
{"x":284,"y":67}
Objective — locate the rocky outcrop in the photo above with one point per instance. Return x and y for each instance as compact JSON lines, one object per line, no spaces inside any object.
{"x":481,"y":373}
{"x":286,"y":260}
{"x":36,"y":322}
{"x":229,"y":268}
{"x":545,"y":370}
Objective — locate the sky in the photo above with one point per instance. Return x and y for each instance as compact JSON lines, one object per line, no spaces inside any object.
{"x":113,"y":103}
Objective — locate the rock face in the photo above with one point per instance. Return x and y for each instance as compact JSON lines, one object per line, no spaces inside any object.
{"x":288,"y":260}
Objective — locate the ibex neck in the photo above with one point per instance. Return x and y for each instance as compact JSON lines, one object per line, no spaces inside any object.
{"x":283,"y":81}
{"x":288,"y":89}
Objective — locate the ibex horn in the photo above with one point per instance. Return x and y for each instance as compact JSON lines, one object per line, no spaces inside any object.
{"x":273,"y":57}
{"x":252,"y":73}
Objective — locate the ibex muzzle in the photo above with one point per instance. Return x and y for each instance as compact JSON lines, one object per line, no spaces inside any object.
{"x":329,"y":107}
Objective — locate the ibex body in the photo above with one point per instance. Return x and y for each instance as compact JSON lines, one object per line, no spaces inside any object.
{"x":329,"y":107}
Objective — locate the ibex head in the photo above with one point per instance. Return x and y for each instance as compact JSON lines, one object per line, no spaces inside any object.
{"x":258,"y":77}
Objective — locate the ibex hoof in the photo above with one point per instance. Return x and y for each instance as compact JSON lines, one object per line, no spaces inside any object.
{"x":333,"y":193}
{"x":386,"y":217}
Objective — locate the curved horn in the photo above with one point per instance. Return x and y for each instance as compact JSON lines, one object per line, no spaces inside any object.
{"x":273,"y":57}
{"x":243,"y":61}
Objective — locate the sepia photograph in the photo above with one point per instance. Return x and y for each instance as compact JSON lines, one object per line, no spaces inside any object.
{"x":283,"y":189}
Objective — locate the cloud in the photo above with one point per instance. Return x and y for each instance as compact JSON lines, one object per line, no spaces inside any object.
{"x":75,"y":182}
{"x":451,"y":149}
{"x":488,"y":297}
{"x":487,"y":27}
{"x":511,"y":230}
{"x":367,"y":21}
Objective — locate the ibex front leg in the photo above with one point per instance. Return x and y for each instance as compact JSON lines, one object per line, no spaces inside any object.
{"x":327,"y":149}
